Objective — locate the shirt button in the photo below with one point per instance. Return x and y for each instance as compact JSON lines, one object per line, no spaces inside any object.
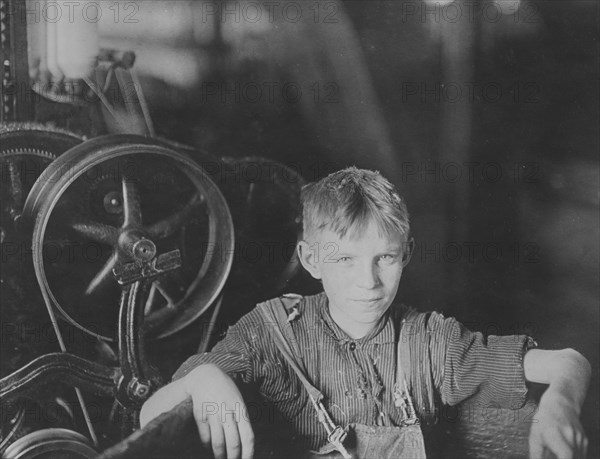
{"x":352,"y":346}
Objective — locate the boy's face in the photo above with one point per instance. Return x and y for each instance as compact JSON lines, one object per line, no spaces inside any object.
{"x":360,"y":273}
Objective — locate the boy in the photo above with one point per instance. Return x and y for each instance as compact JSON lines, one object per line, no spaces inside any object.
{"x":367,"y":369}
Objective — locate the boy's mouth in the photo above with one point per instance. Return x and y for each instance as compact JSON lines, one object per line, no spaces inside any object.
{"x":367,"y":300}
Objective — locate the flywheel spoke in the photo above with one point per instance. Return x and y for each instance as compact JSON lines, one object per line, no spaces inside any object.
{"x":150,"y":304}
{"x":172,"y":293}
{"x":170,"y":290}
{"x":131,"y":203}
{"x":174,"y":222}
{"x":103,"y":275}
{"x":97,"y":232}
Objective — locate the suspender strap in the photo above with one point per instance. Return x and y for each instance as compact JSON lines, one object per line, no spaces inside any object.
{"x":402,"y":398}
{"x":414,"y":366}
{"x":273,"y":311}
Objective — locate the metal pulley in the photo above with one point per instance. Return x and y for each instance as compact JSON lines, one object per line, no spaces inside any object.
{"x":51,"y":443}
{"x":116,"y":200}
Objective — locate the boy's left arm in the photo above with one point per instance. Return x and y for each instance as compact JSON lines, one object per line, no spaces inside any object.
{"x":558,"y":428}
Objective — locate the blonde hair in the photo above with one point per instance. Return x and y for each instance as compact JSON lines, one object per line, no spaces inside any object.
{"x":349,"y":200}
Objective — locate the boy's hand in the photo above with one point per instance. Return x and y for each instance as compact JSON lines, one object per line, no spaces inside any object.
{"x":219,"y":410}
{"x":557,"y":432}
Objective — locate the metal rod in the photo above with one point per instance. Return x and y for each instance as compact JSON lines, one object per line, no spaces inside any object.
{"x":101,"y":96}
{"x":143,"y":103}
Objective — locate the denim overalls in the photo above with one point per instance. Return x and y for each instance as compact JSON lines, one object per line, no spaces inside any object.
{"x":355,"y":441}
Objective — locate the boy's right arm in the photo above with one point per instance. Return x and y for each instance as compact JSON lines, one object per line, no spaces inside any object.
{"x":219,"y":410}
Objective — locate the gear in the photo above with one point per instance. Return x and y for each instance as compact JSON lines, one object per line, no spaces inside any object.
{"x":25,"y":152}
{"x":20,"y":168}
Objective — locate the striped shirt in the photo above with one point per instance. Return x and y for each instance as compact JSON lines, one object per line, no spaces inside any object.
{"x":357,"y":376}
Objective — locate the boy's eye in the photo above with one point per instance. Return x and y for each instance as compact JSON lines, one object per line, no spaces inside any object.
{"x":344,"y":259}
{"x":388,"y":258}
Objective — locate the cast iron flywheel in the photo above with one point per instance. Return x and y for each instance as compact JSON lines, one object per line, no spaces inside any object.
{"x":109,"y":201}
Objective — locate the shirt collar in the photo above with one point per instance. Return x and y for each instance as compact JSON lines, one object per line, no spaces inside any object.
{"x":383,"y":333}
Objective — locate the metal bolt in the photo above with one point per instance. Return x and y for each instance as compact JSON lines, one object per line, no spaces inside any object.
{"x":141,"y":391}
{"x":144,"y":250}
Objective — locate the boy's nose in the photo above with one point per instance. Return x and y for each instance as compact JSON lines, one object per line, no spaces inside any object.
{"x":367,"y":276}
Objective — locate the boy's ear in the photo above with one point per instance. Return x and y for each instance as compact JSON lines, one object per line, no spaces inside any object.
{"x":409,"y":247}
{"x":308,"y":258}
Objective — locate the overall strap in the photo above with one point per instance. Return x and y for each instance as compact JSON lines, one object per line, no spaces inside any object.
{"x":402,"y":397}
{"x":274,"y":312}
{"x":414,"y":378}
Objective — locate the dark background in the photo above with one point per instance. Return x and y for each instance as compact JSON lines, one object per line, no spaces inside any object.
{"x":486,"y":122}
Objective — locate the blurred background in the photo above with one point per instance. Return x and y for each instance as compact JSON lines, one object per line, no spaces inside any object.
{"x":484,"y":113}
